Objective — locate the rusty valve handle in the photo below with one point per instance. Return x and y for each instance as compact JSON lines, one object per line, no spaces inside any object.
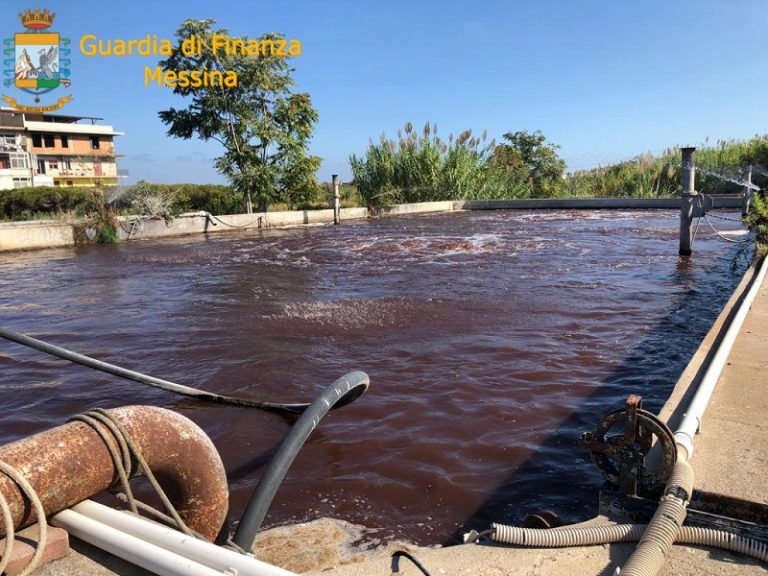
{"x":621,"y":458}
{"x":69,"y":463}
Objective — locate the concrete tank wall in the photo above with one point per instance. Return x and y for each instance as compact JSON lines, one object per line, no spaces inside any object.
{"x":52,"y":234}
{"x":35,"y":234}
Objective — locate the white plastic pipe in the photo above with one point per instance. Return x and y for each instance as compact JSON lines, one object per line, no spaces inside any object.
{"x":199,"y":551}
{"x":693,"y":414}
{"x":134,"y":550}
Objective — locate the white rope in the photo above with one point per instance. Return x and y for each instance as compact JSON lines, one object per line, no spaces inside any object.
{"x":702,"y":205}
{"x":42,"y":524}
{"x":747,"y":241}
{"x":9,"y":533}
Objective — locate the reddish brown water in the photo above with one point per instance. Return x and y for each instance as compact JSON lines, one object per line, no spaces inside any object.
{"x":492,"y":341}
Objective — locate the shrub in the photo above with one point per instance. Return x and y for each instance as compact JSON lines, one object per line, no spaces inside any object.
{"x":757,"y":219}
{"x":423,"y":167}
{"x":27,"y":203}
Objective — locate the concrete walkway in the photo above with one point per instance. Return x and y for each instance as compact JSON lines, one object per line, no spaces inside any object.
{"x":731,"y":450}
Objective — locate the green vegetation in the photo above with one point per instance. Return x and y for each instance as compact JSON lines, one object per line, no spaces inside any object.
{"x":529,"y":159}
{"x":264,"y":126}
{"x":424,"y":167}
{"x":164,"y":201}
{"x":48,"y":202}
{"x":169,"y":200}
{"x":106,"y":226}
{"x":757,"y":220}
{"x":643,"y":177}
{"x":648,"y":176}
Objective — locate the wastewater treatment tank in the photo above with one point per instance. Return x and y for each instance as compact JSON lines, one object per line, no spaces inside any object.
{"x":492,"y":340}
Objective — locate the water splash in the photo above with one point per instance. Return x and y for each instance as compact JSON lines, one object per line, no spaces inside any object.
{"x":729,"y":176}
{"x":117,"y":193}
{"x":757,"y":169}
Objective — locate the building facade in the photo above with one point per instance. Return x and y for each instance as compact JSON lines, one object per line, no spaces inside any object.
{"x":55,"y":150}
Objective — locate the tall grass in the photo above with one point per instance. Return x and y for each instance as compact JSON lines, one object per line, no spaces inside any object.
{"x":643,"y":177}
{"x":720,"y":169}
{"x":421,"y":166}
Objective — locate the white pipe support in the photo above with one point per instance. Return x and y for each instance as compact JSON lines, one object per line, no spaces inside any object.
{"x":199,"y":551}
{"x":129,"y":548}
{"x":691,"y":422}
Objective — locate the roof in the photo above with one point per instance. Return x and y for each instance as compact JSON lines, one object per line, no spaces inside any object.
{"x":71,"y":128}
{"x":47,"y":117}
{"x":43,"y":122}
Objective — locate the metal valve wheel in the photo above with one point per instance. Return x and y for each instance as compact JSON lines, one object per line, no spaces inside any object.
{"x":621,"y":458}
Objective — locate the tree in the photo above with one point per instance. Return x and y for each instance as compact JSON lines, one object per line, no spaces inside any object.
{"x":534,"y":158}
{"x":264,"y":126}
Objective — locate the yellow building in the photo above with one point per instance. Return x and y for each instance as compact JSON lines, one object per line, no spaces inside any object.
{"x":39,"y":149}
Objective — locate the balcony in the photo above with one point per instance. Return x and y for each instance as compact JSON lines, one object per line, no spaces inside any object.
{"x":75,"y":174}
{"x":15,"y":172}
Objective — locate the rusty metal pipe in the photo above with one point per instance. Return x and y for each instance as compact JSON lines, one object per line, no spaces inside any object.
{"x":70,"y":463}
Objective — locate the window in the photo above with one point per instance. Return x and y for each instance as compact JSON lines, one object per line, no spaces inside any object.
{"x":70,"y":183}
{"x":8,"y":139}
{"x":37,"y":140}
{"x":66,"y":164}
{"x":64,"y":141}
{"x":21,"y":182}
{"x":5,"y":162}
{"x":53,"y":164}
{"x":50,"y":142}
{"x":19,"y":161}
{"x":95,"y":144}
{"x":41,"y":166}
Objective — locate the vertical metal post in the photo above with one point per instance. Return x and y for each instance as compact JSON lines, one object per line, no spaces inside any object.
{"x":687,"y":200}
{"x":747,"y":195}
{"x":336,"y":206}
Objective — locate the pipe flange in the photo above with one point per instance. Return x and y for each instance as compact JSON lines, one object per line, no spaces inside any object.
{"x":622,"y":457}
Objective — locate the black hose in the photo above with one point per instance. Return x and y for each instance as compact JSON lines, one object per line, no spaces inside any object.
{"x":353,"y":383}
{"x":65,"y":354}
{"x":402,"y":553}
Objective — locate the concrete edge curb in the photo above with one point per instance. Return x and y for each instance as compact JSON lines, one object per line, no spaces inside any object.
{"x":688,"y":382}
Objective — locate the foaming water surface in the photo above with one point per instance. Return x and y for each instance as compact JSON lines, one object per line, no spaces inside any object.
{"x":492,"y":339}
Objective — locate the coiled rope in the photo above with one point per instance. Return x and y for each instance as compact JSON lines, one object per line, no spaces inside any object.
{"x":10,"y":531}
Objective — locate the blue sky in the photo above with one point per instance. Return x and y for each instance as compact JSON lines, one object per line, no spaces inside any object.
{"x":606,"y":80}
